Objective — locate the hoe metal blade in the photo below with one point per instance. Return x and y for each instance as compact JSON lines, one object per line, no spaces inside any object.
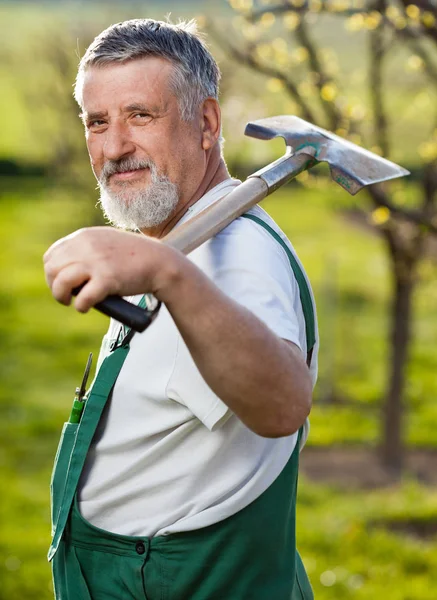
{"x":351,"y":166}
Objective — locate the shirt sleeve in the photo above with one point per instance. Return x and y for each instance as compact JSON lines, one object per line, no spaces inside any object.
{"x":248,"y":265}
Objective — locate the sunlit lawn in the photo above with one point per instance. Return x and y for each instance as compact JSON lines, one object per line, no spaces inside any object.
{"x":342,"y":535}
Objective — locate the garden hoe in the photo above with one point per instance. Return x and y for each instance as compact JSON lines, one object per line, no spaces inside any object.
{"x":351,"y":166}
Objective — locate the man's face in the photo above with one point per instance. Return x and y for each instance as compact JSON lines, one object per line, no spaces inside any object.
{"x":146,"y":159}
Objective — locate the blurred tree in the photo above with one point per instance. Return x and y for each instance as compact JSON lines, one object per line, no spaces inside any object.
{"x":46,"y":66}
{"x":283,"y":41}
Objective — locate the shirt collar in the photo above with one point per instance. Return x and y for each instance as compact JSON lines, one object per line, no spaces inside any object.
{"x":216,"y":193}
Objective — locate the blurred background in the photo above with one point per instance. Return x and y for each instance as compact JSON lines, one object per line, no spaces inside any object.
{"x":367,"y":512}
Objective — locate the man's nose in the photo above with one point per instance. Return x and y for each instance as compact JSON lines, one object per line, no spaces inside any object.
{"x":118,"y":142}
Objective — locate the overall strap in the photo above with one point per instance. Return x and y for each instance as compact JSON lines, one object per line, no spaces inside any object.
{"x":126,"y":333}
{"x":304,"y":290}
{"x":93,"y":409}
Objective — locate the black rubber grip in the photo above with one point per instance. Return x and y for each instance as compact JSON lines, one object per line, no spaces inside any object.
{"x":123,"y":311}
{"x":127,"y":313}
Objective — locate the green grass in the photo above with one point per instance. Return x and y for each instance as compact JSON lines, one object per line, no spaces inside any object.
{"x":343,"y":537}
{"x":349,"y":551}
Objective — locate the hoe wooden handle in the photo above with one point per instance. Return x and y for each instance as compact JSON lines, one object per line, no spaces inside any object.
{"x":216,"y":217}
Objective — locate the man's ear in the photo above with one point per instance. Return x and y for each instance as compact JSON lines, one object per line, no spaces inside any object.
{"x":210,"y":123}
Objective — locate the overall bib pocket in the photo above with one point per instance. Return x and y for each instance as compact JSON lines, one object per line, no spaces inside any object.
{"x":74,"y":444}
{"x":60,"y":469}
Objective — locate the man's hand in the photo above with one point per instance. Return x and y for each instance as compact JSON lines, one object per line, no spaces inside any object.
{"x":108,"y":261}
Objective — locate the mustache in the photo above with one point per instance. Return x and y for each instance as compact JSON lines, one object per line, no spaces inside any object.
{"x":124,"y":164}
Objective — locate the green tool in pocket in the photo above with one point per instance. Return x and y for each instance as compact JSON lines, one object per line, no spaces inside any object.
{"x":79,"y":402}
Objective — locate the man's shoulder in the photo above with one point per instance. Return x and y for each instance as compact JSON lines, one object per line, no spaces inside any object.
{"x":254,"y":234}
{"x":246,"y":249}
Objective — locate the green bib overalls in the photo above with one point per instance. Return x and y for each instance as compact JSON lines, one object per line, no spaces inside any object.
{"x":249,"y":556}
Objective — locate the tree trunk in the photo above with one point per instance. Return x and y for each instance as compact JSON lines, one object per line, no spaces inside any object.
{"x":393,"y":446}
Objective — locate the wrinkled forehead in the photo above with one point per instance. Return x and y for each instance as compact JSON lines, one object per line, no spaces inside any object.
{"x":150,"y":76}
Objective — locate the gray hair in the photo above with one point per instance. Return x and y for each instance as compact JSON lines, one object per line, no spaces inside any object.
{"x":195,"y":75}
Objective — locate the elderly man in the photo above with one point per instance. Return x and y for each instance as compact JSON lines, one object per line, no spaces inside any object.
{"x":179,"y":481}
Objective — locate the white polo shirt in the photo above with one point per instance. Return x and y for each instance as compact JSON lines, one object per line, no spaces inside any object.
{"x":168,"y":455}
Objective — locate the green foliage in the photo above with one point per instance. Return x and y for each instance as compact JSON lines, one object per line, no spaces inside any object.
{"x":342,"y":64}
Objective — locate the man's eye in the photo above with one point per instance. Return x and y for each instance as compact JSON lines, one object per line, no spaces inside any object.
{"x":141,"y":116}
{"x":95,"y":123}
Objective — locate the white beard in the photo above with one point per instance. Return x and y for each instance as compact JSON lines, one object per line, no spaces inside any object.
{"x":137,"y":209}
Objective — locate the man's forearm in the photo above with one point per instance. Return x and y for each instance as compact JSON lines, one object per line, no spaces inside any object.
{"x":263,"y":379}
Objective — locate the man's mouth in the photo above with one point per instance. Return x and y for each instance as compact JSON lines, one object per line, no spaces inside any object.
{"x":127,"y":175}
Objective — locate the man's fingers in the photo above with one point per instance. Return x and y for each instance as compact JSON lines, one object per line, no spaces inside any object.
{"x":94,"y":289}
{"x":65,"y":280}
{"x":92,"y":293}
{"x":97,"y":258}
